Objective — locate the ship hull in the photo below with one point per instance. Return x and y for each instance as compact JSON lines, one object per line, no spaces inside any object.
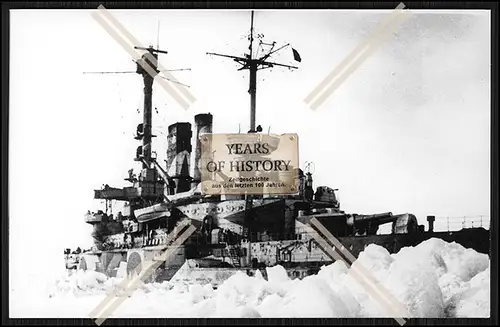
{"x":298,"y":258}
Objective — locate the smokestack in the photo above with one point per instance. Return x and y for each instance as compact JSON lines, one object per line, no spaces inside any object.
{"x":179,"y":155}
{"x":430,"y":220}
{"x":203,"y":123}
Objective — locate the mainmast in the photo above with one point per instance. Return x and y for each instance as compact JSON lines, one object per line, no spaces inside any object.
{"x":253,"y":80}
{"x":253,"y":65}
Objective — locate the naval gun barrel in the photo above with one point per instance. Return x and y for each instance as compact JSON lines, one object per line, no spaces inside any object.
{"x":370,"y":223}
{"x":379,"y":218}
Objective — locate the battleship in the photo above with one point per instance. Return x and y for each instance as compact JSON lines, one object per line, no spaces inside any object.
{"x":233,"y":233}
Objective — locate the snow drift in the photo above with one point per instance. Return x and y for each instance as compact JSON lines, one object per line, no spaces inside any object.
{"x":433,"y":279}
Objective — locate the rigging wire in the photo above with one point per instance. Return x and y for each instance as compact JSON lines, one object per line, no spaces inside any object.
{"x":168,"y":79}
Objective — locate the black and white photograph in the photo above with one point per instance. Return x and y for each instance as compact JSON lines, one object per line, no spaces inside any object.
{"x":356,"y":181}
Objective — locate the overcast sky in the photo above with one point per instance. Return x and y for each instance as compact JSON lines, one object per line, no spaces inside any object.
{"x":409,"y":131}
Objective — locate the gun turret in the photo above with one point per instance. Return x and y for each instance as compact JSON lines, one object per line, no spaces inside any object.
{"x":369,"y":224}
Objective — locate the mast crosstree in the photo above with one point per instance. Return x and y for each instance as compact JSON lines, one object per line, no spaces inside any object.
{"x":255,"y":64}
